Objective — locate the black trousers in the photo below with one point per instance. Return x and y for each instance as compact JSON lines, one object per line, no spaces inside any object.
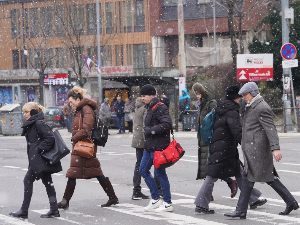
{"x":28,"y":189}
{"x":247,"y":187}
{"x":136,"y":174}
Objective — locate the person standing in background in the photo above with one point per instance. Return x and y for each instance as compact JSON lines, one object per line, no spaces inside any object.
{"x":66,"y":112}
{"x":129,"y":113}
{"x":105,"y":112}
{"x":119,"y":109}
{"x":184,"y":103}
{"x":165,"y":100}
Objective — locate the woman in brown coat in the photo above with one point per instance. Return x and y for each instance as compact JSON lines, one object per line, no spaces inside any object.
{"x":84,"y":168}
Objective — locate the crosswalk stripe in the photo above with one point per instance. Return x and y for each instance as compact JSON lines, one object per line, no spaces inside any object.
{"x":170,"y":217}
{"x":44,"y":211}
{"x":288,"y":171}
{"x":12,"y":167}
{"x":12,"y":221}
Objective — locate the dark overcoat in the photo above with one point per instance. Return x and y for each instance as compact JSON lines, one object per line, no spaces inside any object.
{"x":223,"y":153}
{"x":84,"y":168}
{"x":259,"y":139}
{"x":207,"y":104}
{"x":159,"y":122}
{"x":39,"y":138}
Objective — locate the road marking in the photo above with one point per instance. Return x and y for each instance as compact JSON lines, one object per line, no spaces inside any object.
{"x":192,"y":156}
{"x":6,"y":149}
{"x":288,"y":171}
{"x":14,"y":221}
{"x":291,"y":164}
{"x":170,"y":217}
{"x":188,"y":160}
{"x":44,"y":211}
{"x":12,"y":167}
{"x":296,"y":193}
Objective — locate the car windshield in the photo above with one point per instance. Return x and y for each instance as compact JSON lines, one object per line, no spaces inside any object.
{"x":51,"y":112}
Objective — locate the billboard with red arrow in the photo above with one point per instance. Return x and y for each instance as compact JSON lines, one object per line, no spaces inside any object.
{"x":254,"y":67}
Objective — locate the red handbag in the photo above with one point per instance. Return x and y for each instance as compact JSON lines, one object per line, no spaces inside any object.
{"x":169,"y":156}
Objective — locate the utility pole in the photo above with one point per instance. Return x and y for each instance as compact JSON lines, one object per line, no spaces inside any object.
{"x":98,"y":42}
{"x":287,"y":72}
{"x":214,"y":15}
{"x":181,"y":53}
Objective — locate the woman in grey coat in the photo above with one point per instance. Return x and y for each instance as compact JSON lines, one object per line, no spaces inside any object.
{"x":259,"y":142}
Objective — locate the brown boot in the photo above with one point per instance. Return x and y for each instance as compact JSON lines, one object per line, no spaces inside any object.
{"x":64,"y":204}
{"x":109,"y":190}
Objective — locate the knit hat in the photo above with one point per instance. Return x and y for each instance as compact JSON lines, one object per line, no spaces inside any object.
{"x":249,"y":87}
{"x":232,"y":92}
{"x":148,"y":89}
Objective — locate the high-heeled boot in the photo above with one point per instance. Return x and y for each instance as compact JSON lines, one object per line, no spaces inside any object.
{"x":109,"y":190}
{"x":64,"y":203}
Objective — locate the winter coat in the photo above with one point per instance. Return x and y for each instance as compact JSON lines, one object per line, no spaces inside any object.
{"x":184,"y":101}
{"x":259,"y":139}
{"x":159,"y":122}
{"x":138,"y":125}
{"x":129,"y":109}
{"x":165,"y":100}
{"x":39,"y":138}
{"x":105,"y":112}
{"x":84,"y":168}
{"x":207,"y":104}
{"x":119,"y":108}
{"x":223,"y":153}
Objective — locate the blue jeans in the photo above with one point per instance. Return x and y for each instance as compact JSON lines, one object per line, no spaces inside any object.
{"x":146,"y":164}
{"x":121,"y":124}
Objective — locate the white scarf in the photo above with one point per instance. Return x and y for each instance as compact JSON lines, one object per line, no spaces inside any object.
{"x":256,"y":97}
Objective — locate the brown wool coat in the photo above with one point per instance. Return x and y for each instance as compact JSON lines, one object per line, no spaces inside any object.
{"x":83,"y":168}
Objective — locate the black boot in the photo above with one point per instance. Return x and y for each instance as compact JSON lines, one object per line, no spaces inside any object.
{"x":51,"y":214}
{"x":109,"y":190}
{"x":287,"y":197}
{"x":20,"y":214}
{"x":235,"y":214}
{"x":64,"y":204}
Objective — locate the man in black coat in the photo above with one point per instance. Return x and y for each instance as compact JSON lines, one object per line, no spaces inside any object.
{"x":158,"y":124}
{"x":223,"y":159}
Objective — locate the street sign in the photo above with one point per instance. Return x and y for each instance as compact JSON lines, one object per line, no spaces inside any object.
{"x":290,"y":63}
{"x":254,"y":67}
{"x":56,"y":79}
{"x":288,"y":51}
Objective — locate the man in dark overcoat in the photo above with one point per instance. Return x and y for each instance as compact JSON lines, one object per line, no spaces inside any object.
{"x":259,"y":142}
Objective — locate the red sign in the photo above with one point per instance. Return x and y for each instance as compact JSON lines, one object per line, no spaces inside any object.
{"x":114,"y":69}
{"x":254,"y":74}
{"x":288,"y":51}
{"x":56,"y":79}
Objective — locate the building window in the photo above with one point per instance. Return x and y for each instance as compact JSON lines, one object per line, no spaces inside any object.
{"x":59,"y":20}
{"x":91,"y":19}
{"x":15,"y":23}
{"x":129,"y":55}
{"x":34,"y":22}
{"x":23,"y":60}
{"x":139,"y":16}
{"x":49,"y":57}
{"x":46,"y":19}
{"x":16,"y":59}
{"x":109,"y":17}
{"x":26,"y":24}
{"x":108,"y":55}
{"x":175,"y":2}
{"x":61,"y":57}
{"x":102,"y":56}
{"x":140,"y":55}
{"x":127,"y":17}
{"x":77,"y":22}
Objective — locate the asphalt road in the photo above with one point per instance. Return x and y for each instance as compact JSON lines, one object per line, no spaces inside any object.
{"x":117,"y":161}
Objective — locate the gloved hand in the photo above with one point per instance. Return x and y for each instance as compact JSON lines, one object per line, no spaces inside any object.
{"x":147,"y":131}
{"x":187,"y":107}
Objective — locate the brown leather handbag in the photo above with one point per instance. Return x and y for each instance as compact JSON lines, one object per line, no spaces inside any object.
{"x":83,"y":148}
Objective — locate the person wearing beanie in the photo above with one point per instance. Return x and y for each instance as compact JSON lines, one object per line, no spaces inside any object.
{"x":260,"y":141}
{"x":223,"y":161}
{"x":205,"y":94}
{"x":157,"y":127}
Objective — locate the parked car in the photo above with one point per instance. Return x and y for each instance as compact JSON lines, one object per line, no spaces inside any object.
{"x":54,"y":117}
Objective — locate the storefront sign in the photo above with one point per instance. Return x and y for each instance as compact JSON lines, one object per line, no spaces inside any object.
{"x":56,"y":79}
{"x":114,"y":69}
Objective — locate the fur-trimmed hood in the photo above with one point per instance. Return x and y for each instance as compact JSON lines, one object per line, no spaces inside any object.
{"x":206,"y":90}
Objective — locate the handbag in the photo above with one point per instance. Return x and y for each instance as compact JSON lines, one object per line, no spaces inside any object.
{"x":83,"y":148}
{"x":169,"y":156}
{"x":58,"y":150}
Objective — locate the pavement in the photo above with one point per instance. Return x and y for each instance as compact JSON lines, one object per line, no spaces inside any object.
{"x":188,"y":134}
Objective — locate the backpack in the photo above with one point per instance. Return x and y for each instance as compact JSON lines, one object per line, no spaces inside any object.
{"x":99,"y":132}
{"x":207,"y":126}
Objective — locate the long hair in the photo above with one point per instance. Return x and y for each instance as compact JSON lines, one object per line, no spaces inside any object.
{"x":77,"y":92}
{"x":33,"y":105}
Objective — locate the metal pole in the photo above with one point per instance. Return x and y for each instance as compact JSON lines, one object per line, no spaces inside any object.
{"x":214,"y":15}
{"x":99,"y":59}
{"x":181,"y":54}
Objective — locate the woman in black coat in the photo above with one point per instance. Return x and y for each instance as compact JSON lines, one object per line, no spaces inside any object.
{"x":223,"y":158}
{"x":39,"y":138}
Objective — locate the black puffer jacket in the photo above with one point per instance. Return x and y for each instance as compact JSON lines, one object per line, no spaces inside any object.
{"x":224,"y":157}
{"x":39,"y":138}
{"x":158,"y":123}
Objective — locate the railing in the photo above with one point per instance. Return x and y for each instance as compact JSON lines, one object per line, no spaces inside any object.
{"x":285,"y":118}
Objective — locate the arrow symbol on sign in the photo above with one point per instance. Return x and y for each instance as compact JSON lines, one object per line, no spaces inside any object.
{"x":243,"y":77}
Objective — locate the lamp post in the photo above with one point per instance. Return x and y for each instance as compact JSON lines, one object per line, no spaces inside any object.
{"x":98,"y":42}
